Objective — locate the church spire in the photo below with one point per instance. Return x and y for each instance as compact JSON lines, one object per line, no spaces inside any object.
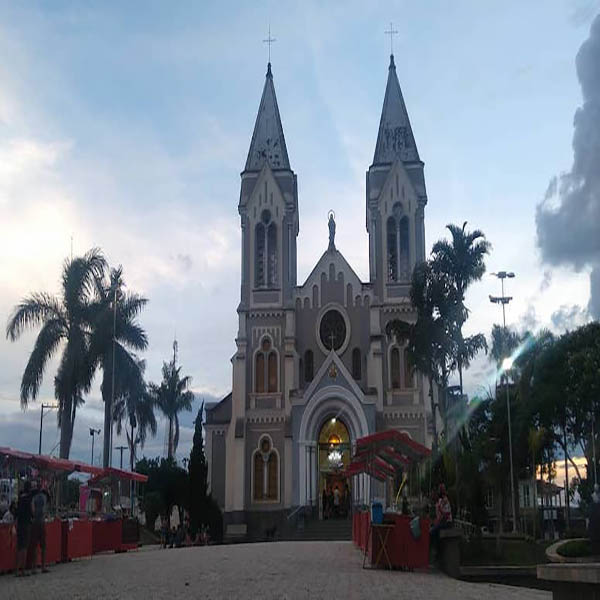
{"x":395,"y":138}
{"x":268,"y":143}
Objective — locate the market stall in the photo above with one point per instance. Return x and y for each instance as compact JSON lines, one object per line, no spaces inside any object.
{"x":387,"y":537}
{"x":71,"y":531}
{"x":118,"y":531}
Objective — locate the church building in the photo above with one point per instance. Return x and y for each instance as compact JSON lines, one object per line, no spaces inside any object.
{"x":314,"y":369}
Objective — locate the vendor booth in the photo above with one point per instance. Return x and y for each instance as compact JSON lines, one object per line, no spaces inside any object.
{"x":71,"y":531}
{"x":387,"y":537}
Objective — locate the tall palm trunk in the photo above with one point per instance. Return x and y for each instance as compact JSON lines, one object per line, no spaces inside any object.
{"x":66,"y":429}
{"x":434,"y":420}
{"x":170,"y":446}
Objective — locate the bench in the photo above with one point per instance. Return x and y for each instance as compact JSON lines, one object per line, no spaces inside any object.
{"x":449,"y":557}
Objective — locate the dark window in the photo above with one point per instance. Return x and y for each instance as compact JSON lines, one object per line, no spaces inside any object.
{"x":332,"y":330}
{"x":265,"y":251}
{"x":398,"y":245}
{"x":259,"y":273}
{"x":392,"y":249}
{"x":308,"y":366}
{"x":409,"y":381}
{"x":260,"y":373}
{"x":356,"y":364}
{"x":272,"y":372}
{"x":395,"y":368}
{"x":404,"y":253}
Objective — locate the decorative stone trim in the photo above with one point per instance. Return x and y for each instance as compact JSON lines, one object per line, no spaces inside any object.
{"x":259,"y":314}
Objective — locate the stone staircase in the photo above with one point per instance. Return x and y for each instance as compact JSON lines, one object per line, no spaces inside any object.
{"x":328,"y":530}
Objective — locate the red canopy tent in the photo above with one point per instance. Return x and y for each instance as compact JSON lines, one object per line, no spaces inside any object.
{"x":382,"y":454}
{"x":48,"y":463}
{"x":112,"y":473}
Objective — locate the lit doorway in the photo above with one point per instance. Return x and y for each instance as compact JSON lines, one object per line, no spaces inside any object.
{"x":334,"y":453}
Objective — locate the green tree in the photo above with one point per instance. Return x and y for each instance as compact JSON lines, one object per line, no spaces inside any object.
{"x":198,"y":471}
{"x":115,"y":312}
{"x":167,"y":487}
{"x":65,"y":323}
{"x":172,"y":396}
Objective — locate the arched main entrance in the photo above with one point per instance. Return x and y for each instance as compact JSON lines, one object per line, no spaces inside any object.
{"x":332,"y":401}
{"x":334,"y":451}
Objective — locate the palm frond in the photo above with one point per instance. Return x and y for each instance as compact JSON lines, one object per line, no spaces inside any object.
{"x":32,"y":312}
{"x":45,"y":346}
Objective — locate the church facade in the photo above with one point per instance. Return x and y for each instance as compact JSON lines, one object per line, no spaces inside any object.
{"x":314,"y":369}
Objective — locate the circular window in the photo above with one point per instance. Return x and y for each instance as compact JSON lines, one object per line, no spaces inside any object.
{"x":332,"y":330}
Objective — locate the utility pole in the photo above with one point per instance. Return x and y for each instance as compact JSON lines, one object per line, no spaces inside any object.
{"x":506,"y":366}
{"x":121,"y":448}
{"x":93,"y":432}
{"x":47,"y":407}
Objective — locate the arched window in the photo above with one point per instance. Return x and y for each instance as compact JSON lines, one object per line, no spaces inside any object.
{"x":308,"y":366}
{"x":395,"y":368}
{"x":356,"y":364}
{"x":398,"y":245}
{"x":265,"y":472}
{"x":409,"y":381}
{"x":265,"y":370}
{"x":265,"y":271}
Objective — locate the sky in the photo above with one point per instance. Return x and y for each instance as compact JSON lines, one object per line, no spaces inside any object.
{"x":126,"y":126}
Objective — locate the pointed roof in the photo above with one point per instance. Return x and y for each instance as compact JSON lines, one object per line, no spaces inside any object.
{"x":395,"y":138}
{"x":268,"y":143}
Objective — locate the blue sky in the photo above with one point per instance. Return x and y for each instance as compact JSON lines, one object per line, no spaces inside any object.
{"x":126,"y":125}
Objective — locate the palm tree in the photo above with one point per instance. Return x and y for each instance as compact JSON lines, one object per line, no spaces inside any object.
{"x":116,"y":312}
{"x":463,"y":261}
{"x":64,"y":322}
{"x":172,"y":396}
{"x":429,"y":347}
{"x":136,"y":407}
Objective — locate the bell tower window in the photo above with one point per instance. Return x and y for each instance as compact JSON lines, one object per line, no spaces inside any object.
{"x":265,"y":269}
{"x":265,"y":368}
{"x":398,"y":245}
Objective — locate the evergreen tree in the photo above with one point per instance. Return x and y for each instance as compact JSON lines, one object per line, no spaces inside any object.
{"x":198,"y":471}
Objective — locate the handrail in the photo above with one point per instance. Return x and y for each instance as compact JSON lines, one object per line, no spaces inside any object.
{"x":296,"y":510}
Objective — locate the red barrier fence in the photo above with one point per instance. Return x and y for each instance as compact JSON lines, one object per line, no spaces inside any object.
{"x":76,"y":539}
{"x":106,"y":536}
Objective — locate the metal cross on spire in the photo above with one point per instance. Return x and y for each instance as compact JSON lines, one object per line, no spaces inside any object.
{"x":269,"y":41}
{"x":392,"y":32}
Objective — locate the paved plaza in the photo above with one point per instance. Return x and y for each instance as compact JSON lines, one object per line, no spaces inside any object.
{"x":282,"y":570}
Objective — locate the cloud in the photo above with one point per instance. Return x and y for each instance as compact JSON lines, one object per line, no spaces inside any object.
{"x":546,"y":281}
{"x":568,"y":219}
{"x":528,"y":321}
{"x":569,"y":317}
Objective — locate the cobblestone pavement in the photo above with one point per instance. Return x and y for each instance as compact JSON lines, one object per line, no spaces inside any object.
{"x":281,"y":570}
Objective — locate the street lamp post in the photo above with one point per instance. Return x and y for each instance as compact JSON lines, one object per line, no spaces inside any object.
{"x":93,"y":432}
{"x":47,"y":407}
{"x":506,"y":365}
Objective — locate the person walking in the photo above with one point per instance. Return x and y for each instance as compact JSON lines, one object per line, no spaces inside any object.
{"x":39,"y":503}
{"x":23,"y":518}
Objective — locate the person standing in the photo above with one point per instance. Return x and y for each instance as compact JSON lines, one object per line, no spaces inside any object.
{"x":336,"y":501}
{"x":39,"y":502}
{"x":443,"y":517}
{"x":23,"y":518}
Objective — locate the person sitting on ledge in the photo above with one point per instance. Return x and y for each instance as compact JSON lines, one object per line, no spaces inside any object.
{"x":443,"y":518}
